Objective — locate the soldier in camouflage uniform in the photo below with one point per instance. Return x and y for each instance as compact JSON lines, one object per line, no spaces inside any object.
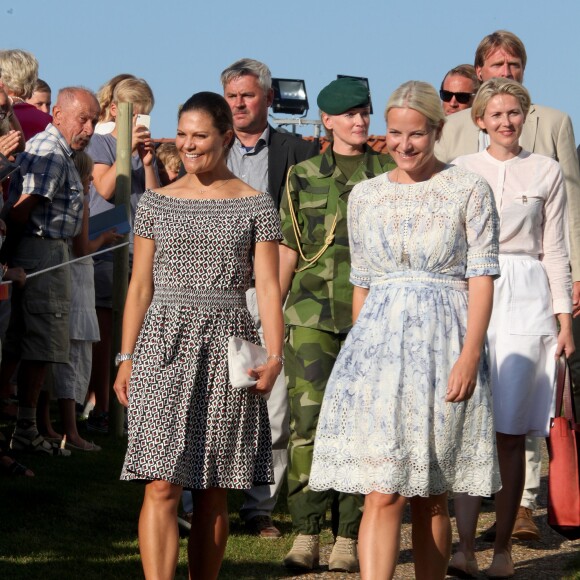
{"x":314,"y":272}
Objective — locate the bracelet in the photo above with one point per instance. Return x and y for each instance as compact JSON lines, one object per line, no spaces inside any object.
{"x":277,"y":357}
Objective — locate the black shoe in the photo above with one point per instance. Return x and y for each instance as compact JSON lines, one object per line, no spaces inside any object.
{"x":98,"y":423}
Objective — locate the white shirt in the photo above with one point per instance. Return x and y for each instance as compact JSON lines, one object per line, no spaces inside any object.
{"x":530,"y":197}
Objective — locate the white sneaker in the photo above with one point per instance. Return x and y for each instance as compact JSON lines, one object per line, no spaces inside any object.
{"x":344,"y":556}
{"x":305,"y":552}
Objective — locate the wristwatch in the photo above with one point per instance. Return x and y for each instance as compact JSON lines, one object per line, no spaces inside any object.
{"x":122,"y":356}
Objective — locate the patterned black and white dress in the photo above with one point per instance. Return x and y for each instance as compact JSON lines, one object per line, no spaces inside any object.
{"x":187,"y":425}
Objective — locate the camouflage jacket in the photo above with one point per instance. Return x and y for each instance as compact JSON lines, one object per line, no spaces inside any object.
{"x":321,"y":295}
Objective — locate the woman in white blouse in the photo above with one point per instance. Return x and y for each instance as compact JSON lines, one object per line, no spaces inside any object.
{"x":533,"y":291}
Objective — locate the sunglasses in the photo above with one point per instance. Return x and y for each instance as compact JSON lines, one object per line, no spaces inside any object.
{"x":462,"y":98}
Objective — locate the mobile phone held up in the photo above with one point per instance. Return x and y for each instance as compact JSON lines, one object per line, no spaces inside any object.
{"x":143,"y":121}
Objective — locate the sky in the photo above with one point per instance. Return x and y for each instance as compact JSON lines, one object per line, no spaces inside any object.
{"x":181,"y":46}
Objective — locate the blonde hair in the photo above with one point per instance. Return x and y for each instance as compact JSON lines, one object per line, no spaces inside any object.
{"x":18,"y":72}
{"x":105,"y":95}
{"x":421,"y":97}
{"x":499,"y":86}
{"x":168,"y":155}
{"x":135,"y":91}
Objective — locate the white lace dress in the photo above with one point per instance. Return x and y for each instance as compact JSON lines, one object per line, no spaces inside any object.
{"x":384,"y":424}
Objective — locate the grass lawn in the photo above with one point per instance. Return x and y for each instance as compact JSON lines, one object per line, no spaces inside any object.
{"x":76,"y":520}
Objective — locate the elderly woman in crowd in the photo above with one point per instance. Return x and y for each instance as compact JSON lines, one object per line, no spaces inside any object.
{"x":531,"y":300}
{"x":18,"y":75}
{"x":407,"y":414}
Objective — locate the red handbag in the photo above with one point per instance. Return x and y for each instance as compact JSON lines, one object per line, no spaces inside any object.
{"x":564,"y":451}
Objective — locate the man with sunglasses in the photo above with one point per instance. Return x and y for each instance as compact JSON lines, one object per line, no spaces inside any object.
{"x":547,"y":132}
{"x":458,"y":89}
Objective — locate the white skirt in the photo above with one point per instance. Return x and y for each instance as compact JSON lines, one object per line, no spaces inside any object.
{"x":522,"y":338}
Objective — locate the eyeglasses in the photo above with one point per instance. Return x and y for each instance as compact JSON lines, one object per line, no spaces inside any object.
{"x":462,"y":98}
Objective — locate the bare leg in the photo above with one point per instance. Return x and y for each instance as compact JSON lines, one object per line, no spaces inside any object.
{"x":431,"y":536}
{"x":43,"y":420}
{"x":67,"y":408}
{"x":511,"y":451}
{"x":100,"y":375}
{"x":158,"y":532}
{"x":466,"y":514}
{"x":379,"y":536}
{"x":209,"y":533}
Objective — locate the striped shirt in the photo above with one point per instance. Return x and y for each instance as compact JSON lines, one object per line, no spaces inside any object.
{"x":48,"y":170}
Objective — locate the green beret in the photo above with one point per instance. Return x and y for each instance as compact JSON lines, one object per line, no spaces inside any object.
{"x":343,"y":94}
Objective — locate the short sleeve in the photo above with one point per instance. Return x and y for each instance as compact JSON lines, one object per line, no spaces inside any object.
{"x":482,"y":228}
{"x":145,"y":216}
{"x":288,"y":205}
{"x":359,"y":270}
{"x":102,"y":149}
{"x":266,"y":221}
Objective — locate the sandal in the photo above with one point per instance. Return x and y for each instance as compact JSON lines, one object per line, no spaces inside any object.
{"x":13,"y":468}
{"x":37,"y":445}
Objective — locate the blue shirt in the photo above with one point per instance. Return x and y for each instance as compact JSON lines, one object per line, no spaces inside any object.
{"x":251,"y":165}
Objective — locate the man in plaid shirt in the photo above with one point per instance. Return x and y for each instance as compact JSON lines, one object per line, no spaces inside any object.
{"x":50,"y":212}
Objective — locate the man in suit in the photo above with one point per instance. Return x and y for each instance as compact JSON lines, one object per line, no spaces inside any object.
{"x":546,"y":132}
{"x":261,"y":156}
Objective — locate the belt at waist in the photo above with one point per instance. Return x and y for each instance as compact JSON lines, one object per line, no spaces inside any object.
{"x":408,"y":277}
{"x":200,"y":297}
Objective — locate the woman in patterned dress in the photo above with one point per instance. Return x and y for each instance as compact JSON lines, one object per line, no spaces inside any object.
{"x":188,"y":428}
{"x":407,"y":413}
{"x":532,"y":295}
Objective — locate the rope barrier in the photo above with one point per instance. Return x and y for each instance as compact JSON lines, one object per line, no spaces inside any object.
{"x":33,"y":274}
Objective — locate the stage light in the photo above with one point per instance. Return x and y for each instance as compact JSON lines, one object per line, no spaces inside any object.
{"x":289,"y":96}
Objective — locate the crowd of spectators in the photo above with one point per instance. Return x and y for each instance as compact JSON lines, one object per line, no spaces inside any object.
{"x":56,"y":320}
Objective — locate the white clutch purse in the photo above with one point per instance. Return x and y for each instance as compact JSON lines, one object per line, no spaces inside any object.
{"x":244,"y":355}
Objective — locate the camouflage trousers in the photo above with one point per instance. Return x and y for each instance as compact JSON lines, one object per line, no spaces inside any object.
{"x":310,"y":355}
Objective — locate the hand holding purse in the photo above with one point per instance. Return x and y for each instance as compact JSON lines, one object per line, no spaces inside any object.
{"x":242,"y":356}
